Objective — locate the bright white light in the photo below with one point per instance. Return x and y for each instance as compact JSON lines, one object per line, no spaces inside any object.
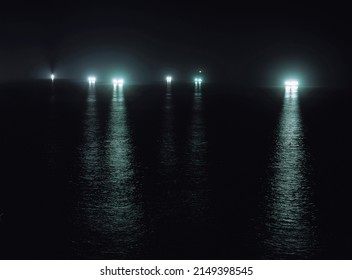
{"x":291,"y":86}
{"x":169,"y":79}
{"x":52,"y":76}
{"x":115,"y":82}
{"x":291,"y":83}
{"x":291,"y":91}
{"x":120,"y":82}
{"x":197,"y":80}
{"x":91,"y":80}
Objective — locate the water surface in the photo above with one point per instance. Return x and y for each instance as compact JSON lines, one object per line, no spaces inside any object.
{"x":175,"y":172}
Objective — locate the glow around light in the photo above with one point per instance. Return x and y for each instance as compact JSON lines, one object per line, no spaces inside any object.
{"x":169,"y":79}
{"x":52,"y":76}
{"x":119,"y":82}
{"x":91,"y":80}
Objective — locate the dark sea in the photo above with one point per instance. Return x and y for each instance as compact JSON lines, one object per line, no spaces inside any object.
{"x":174,"y":172}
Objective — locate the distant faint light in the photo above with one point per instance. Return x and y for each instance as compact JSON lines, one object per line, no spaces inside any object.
{"x":91,"y":80}
{"x":169,"y":79}
{"x":200,"y":71}
{"x":52,"y":76}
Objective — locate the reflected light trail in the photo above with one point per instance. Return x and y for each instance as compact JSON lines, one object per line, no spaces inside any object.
{"x":167,"y":150}
{"x":198,"y":86}
{"x":91,"y":92}
{"x":108,"y":215}
{"x":291,"y":92}
{"x":291,"y":212}
{"x":122,"y":214}
{"x":118,"y":95}
{"x":168,"y":84}
{"x":197,"y":196}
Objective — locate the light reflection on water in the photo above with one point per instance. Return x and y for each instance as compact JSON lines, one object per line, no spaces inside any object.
{"x":108,"y":212}
{"x":290,"y":218}
{"x":168,"y":88}
{"x":198,"y":141}
{"x":167,"y":149}
{"x":152,"y":174}
{"x":91,"y":93}
{"x":112,"y":209}
{"x":196,"y":167}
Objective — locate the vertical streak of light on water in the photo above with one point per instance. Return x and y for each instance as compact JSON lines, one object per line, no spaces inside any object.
{"x":168,"y":153}
{"x":291,"y":213}
{"x":89,"y":149}
{"x":89,"y":152}
{"x":168,"y":88}
{"x":123,"y":214}
{"x":197,"y":163}
{"x":108,"y":212}
{"x":198,"y":141}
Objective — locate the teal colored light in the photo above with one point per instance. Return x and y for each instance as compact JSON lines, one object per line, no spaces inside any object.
{"x":119,"y":82}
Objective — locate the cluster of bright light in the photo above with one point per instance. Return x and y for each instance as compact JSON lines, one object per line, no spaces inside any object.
{"x":118,"y":82}
{"x":52,"y":76}
{"x":291,"y":83}
{"x":91,"y":80}
{"x":291,"y":87}
{"x":169,"y":79}
{"x":197,"y":80}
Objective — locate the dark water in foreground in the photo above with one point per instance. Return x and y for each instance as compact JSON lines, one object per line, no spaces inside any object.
{"x":146,"y":172}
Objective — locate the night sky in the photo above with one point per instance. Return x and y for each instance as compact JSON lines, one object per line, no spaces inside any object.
{"x":144,"y":44}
